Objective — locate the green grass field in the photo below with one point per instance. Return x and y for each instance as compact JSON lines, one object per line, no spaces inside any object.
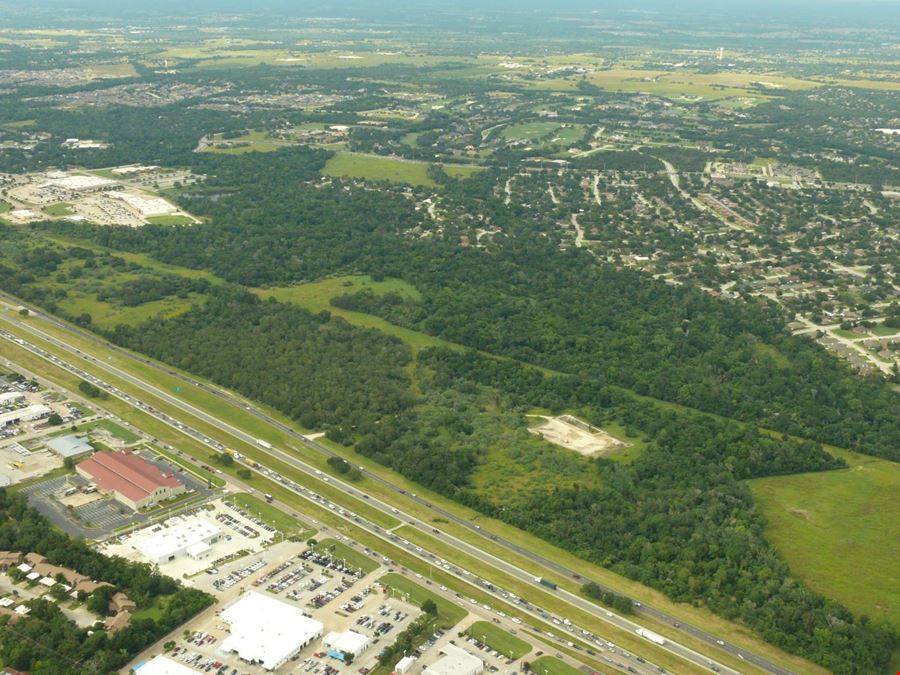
{"x":840,"y":531}
{"x":349,"y":555}
{"x":449,"y":613}
{"x":550,"y":665}
{"x":375,"y":168}
{"x":277,"y":518}
{"x":114,"y":429}
{"x":498,"y":639}
{"x":528,"y":131}
{"x":176,"y":219}
{"x":316,"y":296}
{"x":252,"y":141}
{"x":107,"y":315}
{"x":59,"y":210}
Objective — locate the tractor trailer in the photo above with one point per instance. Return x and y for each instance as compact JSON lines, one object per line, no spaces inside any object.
{"x":650,"y":635}
{"x":545,"y":582}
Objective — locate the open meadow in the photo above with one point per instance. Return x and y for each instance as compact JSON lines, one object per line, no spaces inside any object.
{"x":840,"y":531}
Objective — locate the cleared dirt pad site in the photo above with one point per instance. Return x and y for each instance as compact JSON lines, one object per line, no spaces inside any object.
{"x":574,"y":434}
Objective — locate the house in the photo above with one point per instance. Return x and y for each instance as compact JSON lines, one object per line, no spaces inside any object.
{"x":121,"y":603}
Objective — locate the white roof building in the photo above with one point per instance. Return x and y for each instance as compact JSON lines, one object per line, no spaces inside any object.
{"x":456,"y":661}
{"x":26,"y":414}
{"x":69,"y":445}
{"x":267,"y":631}
{"x":147,"y":206}
{"x":348,"y":642}
{"x":9,"y":397}
{"x":184,"y":536}
{"x":404,"y":664}
{"x":163,"y":665}
{"x":78,"y":183}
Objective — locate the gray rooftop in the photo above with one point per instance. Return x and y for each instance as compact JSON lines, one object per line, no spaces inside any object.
{"x":69,"y":446}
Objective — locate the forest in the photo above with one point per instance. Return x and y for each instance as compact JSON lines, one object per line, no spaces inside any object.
{"x":623,"y":347}
{"x":46,"y":641}
{"x":713,"y":392}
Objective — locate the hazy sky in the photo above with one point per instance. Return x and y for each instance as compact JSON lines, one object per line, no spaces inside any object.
{"x":815,"y":12}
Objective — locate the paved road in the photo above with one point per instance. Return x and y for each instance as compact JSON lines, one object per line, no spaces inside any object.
{"x":636,"y":665}
{"x":546,"y":563}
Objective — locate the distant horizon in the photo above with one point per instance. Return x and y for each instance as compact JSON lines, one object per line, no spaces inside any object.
{"x":827,"y":11}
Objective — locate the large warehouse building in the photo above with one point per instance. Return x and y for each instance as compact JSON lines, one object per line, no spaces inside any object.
{"x":267,"y":631}
{"x":129,"y":478}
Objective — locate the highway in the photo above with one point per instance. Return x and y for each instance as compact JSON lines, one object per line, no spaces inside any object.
{"x":573,"y":599}
{"x":608,"y":650}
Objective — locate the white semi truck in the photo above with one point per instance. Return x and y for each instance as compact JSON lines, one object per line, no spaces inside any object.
{"x":650,"y":635}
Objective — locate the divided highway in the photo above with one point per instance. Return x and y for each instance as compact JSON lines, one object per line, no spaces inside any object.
{"x":469,"y":549}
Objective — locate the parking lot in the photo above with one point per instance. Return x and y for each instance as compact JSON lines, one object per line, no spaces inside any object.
{"x":99,"y":519}
{"x":96,"y":519}
{"x":239,"y":535}
{"x":290,"y":572}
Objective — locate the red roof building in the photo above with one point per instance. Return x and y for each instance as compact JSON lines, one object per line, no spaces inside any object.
{"x":131,"y":479}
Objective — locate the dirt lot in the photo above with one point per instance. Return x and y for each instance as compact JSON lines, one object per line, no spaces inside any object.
{"x":573,"y":434}
{"x":32,"y":463}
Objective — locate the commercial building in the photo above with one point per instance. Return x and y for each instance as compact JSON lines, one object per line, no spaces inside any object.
{"x":27,"y":414}
{"x":78,"y":183}
{"x":130,"y":479}
{"x":179,"y":537}
{"x":456,"y":661}
{"x":349,"y":642}
{"x":146,"y":206}
{"x":163,"y":665}
{"x":69,"y":446}
{"x":11,"y":398}
{"x":267,"y":631}
{"x":404,"y":665}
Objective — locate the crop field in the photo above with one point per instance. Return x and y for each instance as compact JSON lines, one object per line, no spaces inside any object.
{"x":840,"y":531}
{"x":498,"y":639}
